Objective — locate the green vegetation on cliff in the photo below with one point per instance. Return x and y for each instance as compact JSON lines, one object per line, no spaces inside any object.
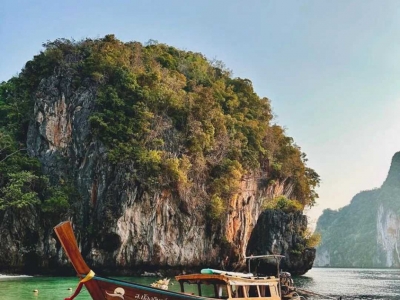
{"x":349,"y":236}
{"x":174,"y":115}
{"x":22,"y":183}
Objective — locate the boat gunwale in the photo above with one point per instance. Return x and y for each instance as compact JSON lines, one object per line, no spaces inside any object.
{"x":226,"y":278}
{"x":146,"y":288}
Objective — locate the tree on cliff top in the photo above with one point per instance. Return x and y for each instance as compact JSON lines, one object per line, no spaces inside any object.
{"x":173,"y":114}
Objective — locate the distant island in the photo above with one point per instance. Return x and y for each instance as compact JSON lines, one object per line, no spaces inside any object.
{"x":364,"y":234}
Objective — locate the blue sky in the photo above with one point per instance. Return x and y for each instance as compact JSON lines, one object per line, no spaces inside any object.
{"x":330,"y":68}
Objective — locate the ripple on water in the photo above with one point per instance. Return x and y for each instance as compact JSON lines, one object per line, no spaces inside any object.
{"x":352,"y":283}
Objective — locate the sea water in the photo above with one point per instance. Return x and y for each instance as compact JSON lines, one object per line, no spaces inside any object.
{"x":377,"y":284}
{"x":48,"y":288}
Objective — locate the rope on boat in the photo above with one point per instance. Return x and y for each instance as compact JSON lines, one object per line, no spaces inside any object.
{"x":296,"y":296}
{"x":88,"y":277}
{"x":316,"y":294}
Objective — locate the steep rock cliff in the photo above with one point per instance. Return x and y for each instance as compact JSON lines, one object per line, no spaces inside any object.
{"x":281,"y":233}
{"x":366,"y":232}
{"x":121,"y":225}
{"x":130,"y":227}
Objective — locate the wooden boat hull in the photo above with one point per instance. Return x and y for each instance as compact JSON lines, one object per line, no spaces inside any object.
{"x":117,"y":289}
{"x":101,"y":288}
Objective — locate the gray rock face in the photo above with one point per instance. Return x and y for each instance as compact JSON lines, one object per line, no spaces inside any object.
{"x":26,"y":244}
{"x":281,"y":233}
{"x":120,"y":227}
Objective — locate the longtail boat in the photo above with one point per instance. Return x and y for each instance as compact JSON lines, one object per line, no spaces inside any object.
{"x":224,"y":285}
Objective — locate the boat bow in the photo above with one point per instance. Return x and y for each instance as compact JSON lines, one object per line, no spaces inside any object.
{"x":68,"y":241}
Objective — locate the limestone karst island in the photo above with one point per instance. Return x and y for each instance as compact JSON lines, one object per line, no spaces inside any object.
{"x":365,"y":233}
{"x":161,"y":158}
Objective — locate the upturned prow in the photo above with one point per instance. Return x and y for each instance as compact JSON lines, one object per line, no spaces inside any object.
{"x":68,"y":241}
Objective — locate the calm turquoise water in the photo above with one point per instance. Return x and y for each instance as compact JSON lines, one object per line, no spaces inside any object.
{"x":348,"y":283}
{"x":49,"y":288}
